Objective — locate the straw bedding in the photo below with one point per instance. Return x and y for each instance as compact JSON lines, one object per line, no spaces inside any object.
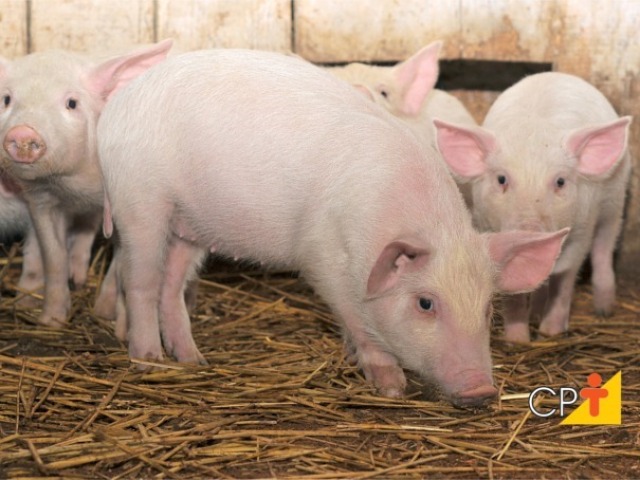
{"x":278,"y":398}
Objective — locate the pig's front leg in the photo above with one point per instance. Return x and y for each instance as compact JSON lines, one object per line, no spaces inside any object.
{"x":51,"y":229}
{"x":379,"y":367}
{"x":32,"y":276}
{"x":516,"y":314}
{"x":182,"y":259}
{"x":556,"y":319}
{"x":603,"y":276}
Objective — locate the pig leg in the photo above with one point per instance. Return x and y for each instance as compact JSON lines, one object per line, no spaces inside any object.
{"x":603,"y":277}
{"x":105,"y":305}
{"x":182,"y":259}
{"x":32,"y":276}
{"x":379,"y":367}
{"x":80,"y":255}
{"x":517,"y":312}
{"x":556,"y":319}
{"x":51,"y":228}
{"x":142,"y":258}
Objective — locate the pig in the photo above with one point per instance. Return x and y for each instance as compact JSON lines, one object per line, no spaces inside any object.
{"x":552,"y":153}
{"x":265,"y":157}
{"x":408,"y":91}
{"x":50,"y":104}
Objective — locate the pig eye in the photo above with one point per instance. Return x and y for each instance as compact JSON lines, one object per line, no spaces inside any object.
{"x":560,"y":182}
{"x":72,"y":103}
{"x":383,"y":91}
{"x":502,"y":180}
{"x":425,"y":304}
{"x":7,"y":100}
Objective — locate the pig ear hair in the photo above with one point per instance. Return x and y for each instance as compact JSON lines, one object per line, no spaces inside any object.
{"x":464,"y":148}
{"x":397,"y":259}
{"x":524,"y":259}
{"x":417,"y":76}
{"x":598,"y":149}
{"x":108,"y":77}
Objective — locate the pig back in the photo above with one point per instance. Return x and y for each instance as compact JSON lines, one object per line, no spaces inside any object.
{"x":254,"y":150}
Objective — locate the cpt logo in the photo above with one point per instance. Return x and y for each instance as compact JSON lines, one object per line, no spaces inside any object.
{"x":602,"y":404}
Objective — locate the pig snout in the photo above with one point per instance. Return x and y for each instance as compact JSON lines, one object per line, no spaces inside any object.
{"x":475,"y":390}
{"x":24,"y":144}
{"x":475,"y":397}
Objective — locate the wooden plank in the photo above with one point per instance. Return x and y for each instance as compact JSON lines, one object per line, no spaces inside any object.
{"x":13,"y":28}
{"x":256,"y":24}
{"x":91,"y":25}
{"x":328,"y":31}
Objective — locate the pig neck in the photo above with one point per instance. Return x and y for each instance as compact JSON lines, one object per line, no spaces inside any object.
{"x":78,"y":191}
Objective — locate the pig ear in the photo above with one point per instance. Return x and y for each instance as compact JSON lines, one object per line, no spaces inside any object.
{"x":397,"y":259}
{"x":524,"y":259}
{"x":417,"y":76}
{"x":108,"y":77}
{"x":465,"y":149}
{"x":598,"y":149}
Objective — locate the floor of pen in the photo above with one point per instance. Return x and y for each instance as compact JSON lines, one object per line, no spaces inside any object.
{"x":278,"y":398}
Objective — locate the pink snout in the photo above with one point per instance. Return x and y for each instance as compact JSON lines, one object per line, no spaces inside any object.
{"x":475,"y":397}
{"x":23,"y":144}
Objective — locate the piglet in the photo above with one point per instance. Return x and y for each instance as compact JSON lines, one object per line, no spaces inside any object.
{"x":408,"y":91}
{"x":552,"y":153}
{"x":234,"y":151}
{"x":49,"y":107}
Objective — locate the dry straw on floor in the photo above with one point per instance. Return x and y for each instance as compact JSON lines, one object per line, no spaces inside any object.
{"x":278,"y":399}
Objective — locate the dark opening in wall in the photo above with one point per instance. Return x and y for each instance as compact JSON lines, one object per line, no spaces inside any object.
{"x":485,"y":74}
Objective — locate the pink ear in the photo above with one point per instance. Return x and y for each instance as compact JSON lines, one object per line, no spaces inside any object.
{"x":599,"y":148}
{"x":108,"y":77}
{"x":397,"y":259}
{"x":465,"y":149}
{"x":417,"y":76}
{"x":524,"y":259}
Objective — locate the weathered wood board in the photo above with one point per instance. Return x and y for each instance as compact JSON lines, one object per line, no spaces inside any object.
{"x":13,"y":28}
{"x":91,"y":25}
{"x":256,"y":24}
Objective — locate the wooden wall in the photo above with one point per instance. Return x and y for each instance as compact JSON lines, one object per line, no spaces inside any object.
{"x":598,"y":40}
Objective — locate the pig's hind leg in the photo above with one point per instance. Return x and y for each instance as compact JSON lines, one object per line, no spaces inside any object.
{"x":142,"y":258}
{"x":180,"y":268}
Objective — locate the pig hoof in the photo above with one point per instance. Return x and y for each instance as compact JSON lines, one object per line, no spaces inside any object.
{"x":475,"y":397}
{"x":389,"y":380}
{"x":552,"y":330}
{"x":517,"y":333}
{"x":29,"y":301}
{"x":193,"y":357}
{"x":391,"y":392}
{"x":604,"y":312}
{"x":53,"y":321}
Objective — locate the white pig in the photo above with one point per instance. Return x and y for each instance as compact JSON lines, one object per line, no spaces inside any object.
{"x":49,"y":108}
{"x":408,"y":91}
{"x":552,"y":153}
{"x":265,"y":157}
